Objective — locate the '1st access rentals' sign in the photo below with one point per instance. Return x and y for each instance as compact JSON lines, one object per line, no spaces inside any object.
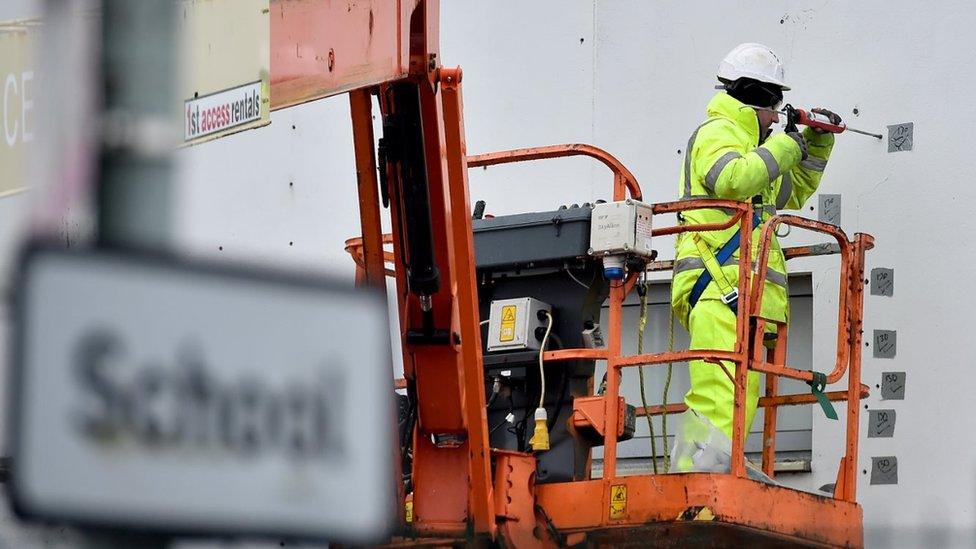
{"x":157,"y":395}
{"x":222,"y":111}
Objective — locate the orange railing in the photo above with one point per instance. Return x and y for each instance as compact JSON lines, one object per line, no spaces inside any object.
{"x":751,"y":325}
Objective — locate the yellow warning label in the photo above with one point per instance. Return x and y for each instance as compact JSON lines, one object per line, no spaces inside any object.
{"x":618,"y":501}
{"x":507,"y":331}
{"x":697,"y":512}
{"x":705,"y":514}
{"x":409,"y":513}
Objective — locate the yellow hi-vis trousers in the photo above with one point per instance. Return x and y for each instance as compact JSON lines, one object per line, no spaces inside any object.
{"x":712,"y":326}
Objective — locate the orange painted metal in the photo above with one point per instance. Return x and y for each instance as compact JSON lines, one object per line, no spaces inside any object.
{"x":360,"y":106}
{"x":844,"y":314}
{"x":790,"y":253}
{"x":515,"y":501}
{"x":624,"y":181}
{"x":764,"y":402}
{"x":676,"y":356}
{"x":588,"y":413}
{"x":846,"y":487}
{"x":462,"y":256}
{"x":321,"y":48}
{"x":739,"y":430}
{"x":755,"y":513}
{"x":612,"y":401}
{"x":364,"y":43}
{"x":739,"y":210}
{"x":371,"y":272}
{"x":444,"y":475}
{"x":745,"y":357}
{"x":574,"y":354}
{"x":440,"y":495}
{"x":417,"y":541}
{"x":769,"y":429}
{"x":355,"y":248}
{"x":658,"y":409}
{"x":596,"y":516}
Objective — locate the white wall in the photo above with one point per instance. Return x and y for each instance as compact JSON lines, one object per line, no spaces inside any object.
{"x":641,"y":91}
{"x":633,"y":78}
{"x":651,"y":75}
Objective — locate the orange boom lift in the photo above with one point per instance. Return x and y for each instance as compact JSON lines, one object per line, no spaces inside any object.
{"x":462,"y":490}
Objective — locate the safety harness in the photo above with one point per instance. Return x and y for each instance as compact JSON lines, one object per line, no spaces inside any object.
{"x":713,"y":268}
{"x":730,"y":296}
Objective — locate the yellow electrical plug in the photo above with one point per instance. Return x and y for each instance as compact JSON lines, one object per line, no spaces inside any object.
{"x":540,"y":437}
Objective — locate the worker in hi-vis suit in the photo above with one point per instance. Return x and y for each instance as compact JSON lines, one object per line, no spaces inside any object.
{"x":733,"y":156}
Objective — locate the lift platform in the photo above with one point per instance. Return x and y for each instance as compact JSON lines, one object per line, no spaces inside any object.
{"x":723,"y":510}
{"x":462,"y":490}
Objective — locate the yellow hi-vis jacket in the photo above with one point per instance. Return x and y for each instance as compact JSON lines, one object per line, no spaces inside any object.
{"x":726,"y":159}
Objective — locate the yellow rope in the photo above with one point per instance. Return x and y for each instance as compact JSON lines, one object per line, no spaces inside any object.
{"x":667,"y":386}
{"x":641,"y":324}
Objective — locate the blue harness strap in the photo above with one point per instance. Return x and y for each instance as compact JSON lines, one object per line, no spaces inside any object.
{"x":723,"y":255}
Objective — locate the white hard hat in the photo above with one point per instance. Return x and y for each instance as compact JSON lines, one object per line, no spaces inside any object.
{"x":751,"y":60}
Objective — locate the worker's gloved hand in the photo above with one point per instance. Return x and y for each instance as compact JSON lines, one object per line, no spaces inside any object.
{"x":834,"y":117}
{"x":796,"y":136}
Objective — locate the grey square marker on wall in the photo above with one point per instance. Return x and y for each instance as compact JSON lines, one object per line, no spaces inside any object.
{"x":829,"y":209}
{"x":885,"y":343}
{"x":900,"y":137}
{"x":893,"y":386}
{"x":882,"y":281}
{"x":884,"y":470}
{"x":881,"y":423}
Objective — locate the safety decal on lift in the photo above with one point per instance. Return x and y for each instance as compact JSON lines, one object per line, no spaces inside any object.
{"x":408,"y":515}
{"x":697,"y":512}
{"x":618,"y":501}
{"x":507,"y":331}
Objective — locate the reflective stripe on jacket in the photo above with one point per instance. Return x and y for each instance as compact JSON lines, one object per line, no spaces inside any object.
{"x":725,"y":158}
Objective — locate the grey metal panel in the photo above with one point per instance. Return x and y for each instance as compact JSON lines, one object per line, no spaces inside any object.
{"x":532,"y":238}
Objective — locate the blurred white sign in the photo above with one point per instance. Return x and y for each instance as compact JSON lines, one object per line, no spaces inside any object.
{"x":158,"y":395}
{"x":18,"y":89}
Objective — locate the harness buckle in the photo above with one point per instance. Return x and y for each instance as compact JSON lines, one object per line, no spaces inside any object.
{"x":731,"y":297}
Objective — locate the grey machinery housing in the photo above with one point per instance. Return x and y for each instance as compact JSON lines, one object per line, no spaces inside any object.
{"x":534,"y":255}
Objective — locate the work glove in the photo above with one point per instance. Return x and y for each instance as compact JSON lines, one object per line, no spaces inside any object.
{"x":796,"y":136}
{"x":834,"y":117}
